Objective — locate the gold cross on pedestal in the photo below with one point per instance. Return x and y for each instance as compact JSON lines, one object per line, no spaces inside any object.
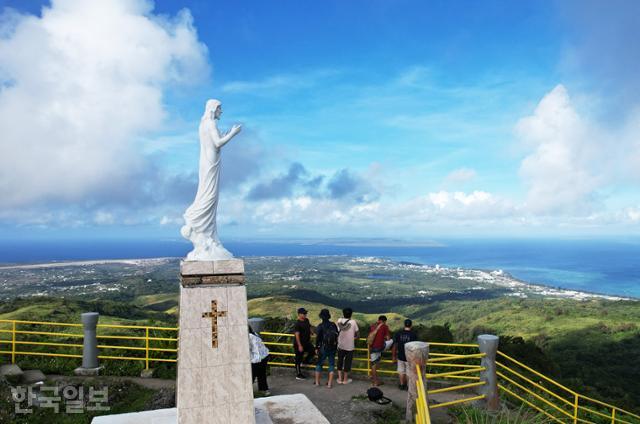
{"x":214,"y":314}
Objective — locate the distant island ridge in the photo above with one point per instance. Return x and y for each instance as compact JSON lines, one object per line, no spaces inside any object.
{"x":606,"y":267}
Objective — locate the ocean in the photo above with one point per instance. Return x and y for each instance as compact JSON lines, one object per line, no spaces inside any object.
{"x":599,"y":266}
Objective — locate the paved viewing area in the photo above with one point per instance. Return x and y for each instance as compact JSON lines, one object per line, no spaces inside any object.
{"x":348,"y":403}
{"x":341,"y":404}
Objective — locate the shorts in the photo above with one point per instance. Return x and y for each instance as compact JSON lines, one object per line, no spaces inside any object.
{"x":403,"y":366}
{"x":345,"y":358}
{"x":376,"y":356}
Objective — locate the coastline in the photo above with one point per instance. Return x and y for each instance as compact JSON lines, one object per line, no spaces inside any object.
{"x":512,"y":282}
{"x":495,"y":277}
{"x":60,"y":264}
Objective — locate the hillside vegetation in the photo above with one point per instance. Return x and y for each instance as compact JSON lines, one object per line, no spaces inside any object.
{"x":590,"y":345}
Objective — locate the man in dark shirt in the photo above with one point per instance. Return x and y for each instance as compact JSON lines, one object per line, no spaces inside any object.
{"x":399,"y":340}
{"x":302,"y":343}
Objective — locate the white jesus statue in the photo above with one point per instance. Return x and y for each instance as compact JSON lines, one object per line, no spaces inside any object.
{"x":200,"y":217}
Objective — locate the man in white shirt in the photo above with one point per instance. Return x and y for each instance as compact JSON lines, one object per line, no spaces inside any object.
{"x":346,"y":344}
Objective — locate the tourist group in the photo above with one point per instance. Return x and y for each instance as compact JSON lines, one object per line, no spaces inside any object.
{"x":335,"y":339}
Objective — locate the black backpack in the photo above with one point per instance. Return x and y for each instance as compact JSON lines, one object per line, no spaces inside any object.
{"x":375,"y":395}
{"x":330,"y":336}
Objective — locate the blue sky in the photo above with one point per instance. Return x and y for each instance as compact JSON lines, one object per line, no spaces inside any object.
{"x":407,"y":119}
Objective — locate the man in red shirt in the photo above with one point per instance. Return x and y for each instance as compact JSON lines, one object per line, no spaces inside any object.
{"x":378,"y":335}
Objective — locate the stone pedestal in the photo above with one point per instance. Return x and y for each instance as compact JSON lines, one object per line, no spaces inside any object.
{"x":488,"y":344}
{"x":214,"y":370}
{"x":90,"y":364}
{"x":417,"y":353}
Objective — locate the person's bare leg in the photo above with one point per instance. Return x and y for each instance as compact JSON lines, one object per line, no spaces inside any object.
{"x":403,"y":379}
{"x":317,"y":383}
{"x":340,"y":379}
{"x":345,"y":377}
{"x":374,"y":374}
{"x":330,"y":383}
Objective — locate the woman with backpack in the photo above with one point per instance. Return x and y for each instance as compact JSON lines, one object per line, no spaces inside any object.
{"x":326,"y":345}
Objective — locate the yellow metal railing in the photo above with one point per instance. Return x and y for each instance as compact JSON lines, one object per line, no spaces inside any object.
{"x":422,"y":405}
{"x":150,"y":344}
{"x":38,"y":338}
{"x":554,"y":400}
{"x":281,"y":347}
{"x":537,"y":391}
{"x":470,"y":372}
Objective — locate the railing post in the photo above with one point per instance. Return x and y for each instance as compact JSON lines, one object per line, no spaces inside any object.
{"x":13,"y":342}
{"x":575,"y":408}
{"x":146,"y":339}
{"x":613,"y":415}
{"x":368,"y":361}
{"x":90,"y":345}
{"x":417,"y":354}
{"x":488,"y":344}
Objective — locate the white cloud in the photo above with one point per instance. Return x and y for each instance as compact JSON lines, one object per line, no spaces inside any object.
{"x":279,"y":82}
{"x":434,"y":207}
{"x":166,"y":220}
{"x":302,"y":202}
{"x":561,"y":173}
{"x":458,"y":205}
{"x":444,"y":199}
{"x":79,"y":84}
{"x":633,"y":214}
{"x":460,"y":176}
{"x":103,"y":218}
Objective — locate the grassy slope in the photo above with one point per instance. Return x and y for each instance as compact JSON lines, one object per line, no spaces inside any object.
{"x":68,"y":311}
{"x":285,"y":307}
{"x":531,"y":318}
{"x":163,"y":302}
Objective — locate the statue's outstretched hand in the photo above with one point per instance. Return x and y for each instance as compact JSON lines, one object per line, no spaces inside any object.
{"x":235,"y":129}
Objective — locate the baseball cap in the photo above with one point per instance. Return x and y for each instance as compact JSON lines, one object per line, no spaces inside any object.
{"x":302,"y":311}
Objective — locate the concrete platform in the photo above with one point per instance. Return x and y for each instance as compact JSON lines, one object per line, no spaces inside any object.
{"x":289,"y":409}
